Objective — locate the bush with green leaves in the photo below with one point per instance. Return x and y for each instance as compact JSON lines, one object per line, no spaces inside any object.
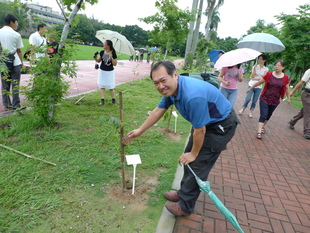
{"x":47,"y":85}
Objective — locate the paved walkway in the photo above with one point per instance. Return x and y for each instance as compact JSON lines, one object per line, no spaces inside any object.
{"x":264,"y":183}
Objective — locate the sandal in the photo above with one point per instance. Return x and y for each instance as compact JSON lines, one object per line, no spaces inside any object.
{"x":241,"y":111}
{"x":259,"y":136}
{"x":263,"y":131}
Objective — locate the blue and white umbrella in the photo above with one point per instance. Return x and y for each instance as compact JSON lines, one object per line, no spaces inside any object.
{"x":262,"y":42}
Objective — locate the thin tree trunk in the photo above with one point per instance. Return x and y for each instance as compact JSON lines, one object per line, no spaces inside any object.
{"x":191,"y":29}
{"x":62,"y":43}
{"x":209,"y":16}
{"x":166,"y":52}
{"x":196,"y":32}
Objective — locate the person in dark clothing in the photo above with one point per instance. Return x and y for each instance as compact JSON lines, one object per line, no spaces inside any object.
{"x":11,"y":41}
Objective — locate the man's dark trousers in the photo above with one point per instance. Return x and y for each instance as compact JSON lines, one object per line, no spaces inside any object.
{"x":216,"y":138}
{"x":12,"y":81}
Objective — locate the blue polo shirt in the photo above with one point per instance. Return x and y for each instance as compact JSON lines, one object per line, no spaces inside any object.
{"x":199,"y":102}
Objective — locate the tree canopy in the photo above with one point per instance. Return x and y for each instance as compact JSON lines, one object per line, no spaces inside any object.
{"x":295,"y":35}
{"x":170,"y":23}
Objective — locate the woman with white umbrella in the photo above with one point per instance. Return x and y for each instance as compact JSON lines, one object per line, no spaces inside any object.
{"x":229,"y":77}
{"x":106,"y":75}
{"x":258,"y":71}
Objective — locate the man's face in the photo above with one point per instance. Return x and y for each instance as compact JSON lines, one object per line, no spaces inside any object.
{"x":14,"y":25}
{"x":42,"y":30}
{"x":165,"y":84}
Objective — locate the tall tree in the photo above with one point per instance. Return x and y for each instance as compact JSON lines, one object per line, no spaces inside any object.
{"x":191,"y":28}
{"x":49,"y":85}
{"x":16,"y":8}
{"x":82,"y":29}
{"x":197,"y":27}
{"x":295,"y":35}
{"x":170,"y":24}
{"x":215,"y":19}
{"x":209,"y":12}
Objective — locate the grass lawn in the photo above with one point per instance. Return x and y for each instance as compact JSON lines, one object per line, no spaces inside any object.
{"x":83,"y":193}
{"x":84,"y":52}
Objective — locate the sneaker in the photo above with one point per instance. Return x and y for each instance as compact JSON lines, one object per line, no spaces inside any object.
{"x":101,"y":102}
{"x":290,"y":125}
{"x":113,"y":101}
{"x":307,"y":135}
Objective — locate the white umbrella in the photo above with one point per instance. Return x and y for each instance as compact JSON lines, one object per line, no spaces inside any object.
{"x":120,"y":43}
{"x":235,"y":57}
{"x":263,"y":42}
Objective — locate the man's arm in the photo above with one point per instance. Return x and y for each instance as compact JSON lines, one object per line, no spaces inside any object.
{"x":299,"y":85}
{"x":19,"y":53}
{"x":155,"y":115}
{"x":198,"y":138}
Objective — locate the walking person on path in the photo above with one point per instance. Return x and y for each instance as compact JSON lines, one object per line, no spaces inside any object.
{"x":106,"y":74}
{"x":258,"y":71}
{"x":277,"y":85}
{"x":11,"y":41}
{"x":305,"y":110}
{"x":213,"y":125}
{"x":229,"y":76}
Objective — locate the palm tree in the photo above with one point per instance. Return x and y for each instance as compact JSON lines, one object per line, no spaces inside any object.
{"x":212,"y":6}
{"x":214,"y":25}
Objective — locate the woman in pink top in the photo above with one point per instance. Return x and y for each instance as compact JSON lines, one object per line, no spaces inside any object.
{"x":229,"y":76}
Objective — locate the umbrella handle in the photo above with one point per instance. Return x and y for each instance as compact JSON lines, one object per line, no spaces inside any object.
{"x":191,"y":170}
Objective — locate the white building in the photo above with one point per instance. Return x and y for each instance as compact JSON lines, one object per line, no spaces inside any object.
{"x":46,"y":14}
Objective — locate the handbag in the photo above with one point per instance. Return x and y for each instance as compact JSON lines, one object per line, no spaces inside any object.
{"x":27,"y":55}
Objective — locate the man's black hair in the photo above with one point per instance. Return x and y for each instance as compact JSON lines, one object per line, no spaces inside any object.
{"x":8,"y":18}
{"x":170,"y":67}
{"x":41,"y":25}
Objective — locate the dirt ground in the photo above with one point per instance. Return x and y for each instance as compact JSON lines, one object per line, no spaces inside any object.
{"x":139,"y":199}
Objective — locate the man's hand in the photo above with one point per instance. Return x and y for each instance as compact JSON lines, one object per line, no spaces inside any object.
{"x":187,"y":158}
{"x":133,"y":135}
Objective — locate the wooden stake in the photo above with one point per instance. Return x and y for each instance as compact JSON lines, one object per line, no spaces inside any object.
{"x":122,"y":139}
{"x":28,"y":156}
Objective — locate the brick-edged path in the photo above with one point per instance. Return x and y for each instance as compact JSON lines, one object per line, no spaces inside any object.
{"x":264,"y":183}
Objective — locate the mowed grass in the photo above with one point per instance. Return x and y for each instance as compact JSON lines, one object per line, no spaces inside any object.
{"x":83,"y":52}
{"x":83,"y":192}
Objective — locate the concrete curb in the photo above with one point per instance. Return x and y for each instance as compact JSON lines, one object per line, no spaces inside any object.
{"x":167,"y":220}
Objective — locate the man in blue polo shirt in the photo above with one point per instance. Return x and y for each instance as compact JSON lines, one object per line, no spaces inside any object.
{"x":213,"y":125}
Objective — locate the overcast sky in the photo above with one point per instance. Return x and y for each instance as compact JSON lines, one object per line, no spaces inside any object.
{"x":237,"y":16}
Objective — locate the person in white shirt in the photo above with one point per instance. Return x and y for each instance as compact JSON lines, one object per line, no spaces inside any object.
{"x":258,"y":71}
{"x":11,"y":42}
{"x":37,"y":39}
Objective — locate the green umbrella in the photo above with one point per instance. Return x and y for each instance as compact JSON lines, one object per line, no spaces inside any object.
{"x":205,"y":187}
